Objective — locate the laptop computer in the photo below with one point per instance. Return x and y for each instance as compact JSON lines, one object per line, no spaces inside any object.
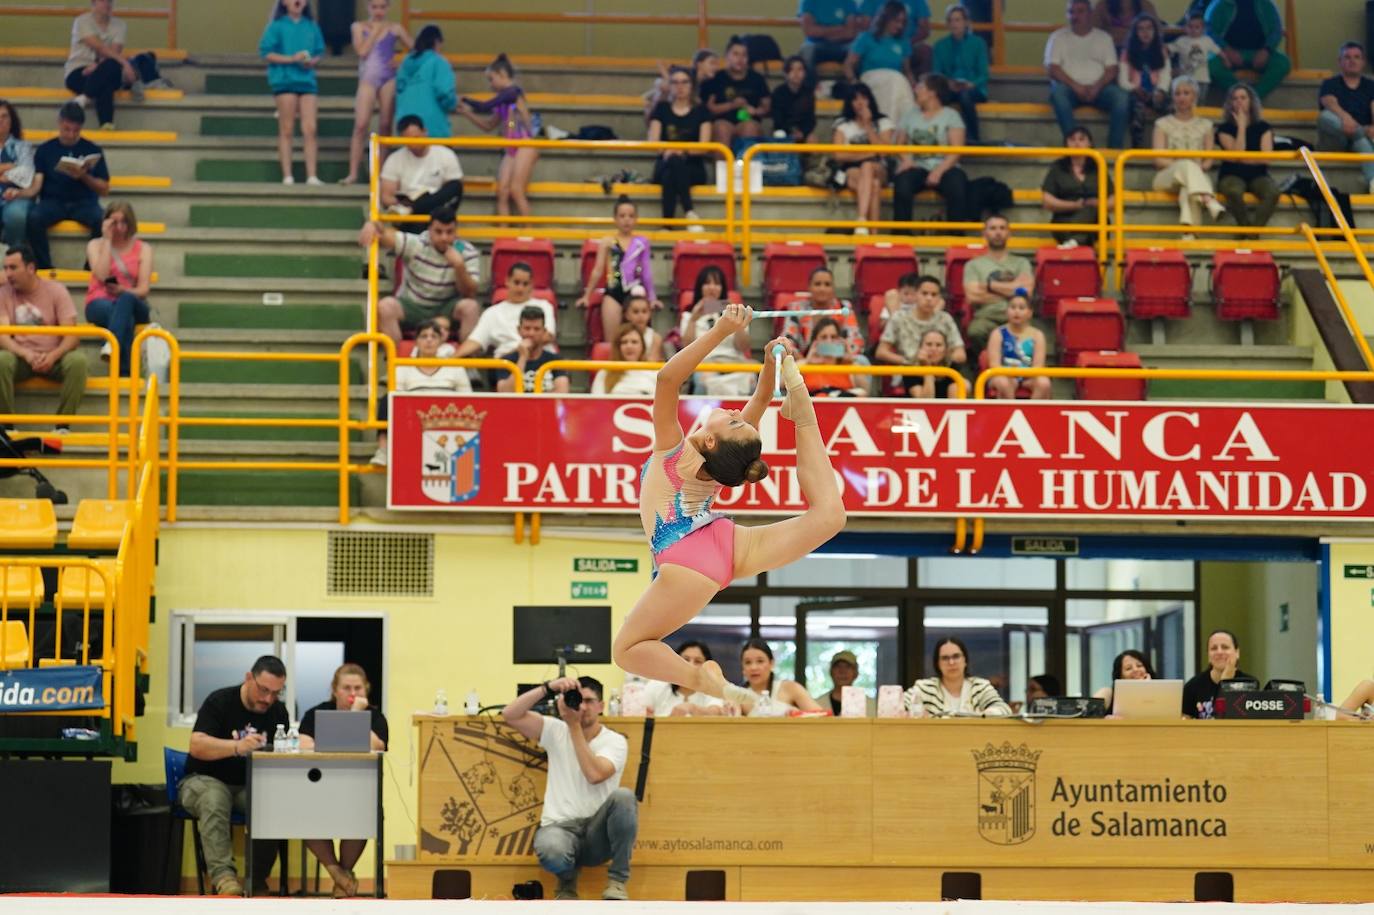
{"x":343,"y":732}
{"x":1161,"y":699}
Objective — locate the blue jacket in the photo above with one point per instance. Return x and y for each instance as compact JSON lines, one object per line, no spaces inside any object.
{"x":283,"y":36}
{"x":425,"y":87}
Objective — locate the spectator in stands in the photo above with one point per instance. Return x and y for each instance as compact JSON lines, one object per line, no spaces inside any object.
{"x":1018,"y":344}
{"x":511,"y":116}
{"x":934,"y":351}
{"x":26,"y":299}
{"x":627,"y":345}
{"x":914,"y":36}
{"x":375,"y":41}
{"x":679,"y":120}
{"x":863,"y":124}
{"x":953,"y":690}
{"x":770,"y":697}
{"x":828,"y":348}
{"x":829,"y":27}
{"x":425,"y":86}
{"x":441,"y":275}
{"x":587,"y":817}
{"x":1185,"y":130}
{"x":1346,"y":100}
{"x":531,"y":353}
{"x":1129,"y":665}
{"x":498,"y":330}
{"x":418,"y":179}
{"x":70,"y":177}
{"x":1082,"y":66}
{"x":1193,"y":49}
{"x":292,"y":45}
{"x":121,"y":276}
{"x":991,"y":279}
{"x":669,"y":699}
{"x":232,"y":722}
{"x":96,"y":67}
{"x":1250,"y":33}
{"x":638,"y":313}
{"x":708,"y":297}
{"x":880,"y":59}
{"x":794,"y":102}
{"x":931,"y":123}
{"x":961,"y":57}
{"x":348,"y":692}
{"x":1244,"y":129}
{"x":1070,"y":190}
{"x":844,"y":671}
{"x":705,"y":63}
{"x":1144,"y":72}
{"x":448,"y":379}
{"x":1223,"y":663}
{"x":17,"y":188}
{"x":625,"y":260}
{"x":820,"y":295}
{"x":1117,"y":17}
{"x":737,"y":97}
{"x":921,"y":300}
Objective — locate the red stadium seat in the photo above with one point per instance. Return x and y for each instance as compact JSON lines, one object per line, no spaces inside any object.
{"x":1088,"y":324}
{"x":1109,"y":388}
{"x":787,"y":268}
{"x":537,"y":252}
{"x":955,"y":259}
{"x":689,"y":257}
{"x":1245,"y":285}
{"x":589,"y":249}
{"x":601,"y":352}
{"x":873,"y":307}
{"x":1158,"y":284}
{"x":878,"y":267}
{"x":1065,"y":273}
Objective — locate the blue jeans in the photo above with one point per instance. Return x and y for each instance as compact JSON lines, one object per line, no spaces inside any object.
{"x":119,"y":316}
{"x":609,"y":833}
{"x":1112,"y":99}
{"x":15,"y":216}
{"x":50,"y":211}
{"x":1331,"y":137}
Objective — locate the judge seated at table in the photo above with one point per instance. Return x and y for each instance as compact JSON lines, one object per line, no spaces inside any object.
{"x":954,"y":691}
{"x":669,"y":699}
{"x":1223,"y":660}
{"x":1129,"y":665}
{"x":588,"y":818}
{"x":348,"y":692}
{"x":232,"y":722}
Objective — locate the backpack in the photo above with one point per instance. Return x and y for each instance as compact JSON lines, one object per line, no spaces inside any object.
{"x":1307,"y":189}
{"x":988,"y":195}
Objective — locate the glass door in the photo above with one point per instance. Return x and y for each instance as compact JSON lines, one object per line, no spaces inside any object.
{"x":869,"y":629}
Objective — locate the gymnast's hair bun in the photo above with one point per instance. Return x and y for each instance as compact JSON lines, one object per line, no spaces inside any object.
{"x":756,"y":471}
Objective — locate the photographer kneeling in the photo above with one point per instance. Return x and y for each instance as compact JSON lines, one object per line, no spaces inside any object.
{"x":587,"y":817}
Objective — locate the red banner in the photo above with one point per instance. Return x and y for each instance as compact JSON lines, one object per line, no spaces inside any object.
{"x":512,"y":452}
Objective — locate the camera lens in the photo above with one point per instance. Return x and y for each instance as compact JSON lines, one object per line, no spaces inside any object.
{"x":573,"y":699}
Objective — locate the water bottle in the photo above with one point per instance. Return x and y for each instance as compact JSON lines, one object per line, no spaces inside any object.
{"x":613,"y":707}
{"x":440,"y":702}
{"x":471,"y":705}
{"x":293,"y":740}
{"x":279,"y":740}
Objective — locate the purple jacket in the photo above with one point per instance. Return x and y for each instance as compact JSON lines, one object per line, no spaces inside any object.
{"x":636,"y":266}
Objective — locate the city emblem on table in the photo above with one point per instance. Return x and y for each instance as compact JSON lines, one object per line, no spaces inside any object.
{"x":451,"y":453}
{"x":1006,"y":793}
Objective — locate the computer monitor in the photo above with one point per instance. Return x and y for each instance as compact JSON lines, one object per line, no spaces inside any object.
{"x":581,"y":634}
{"x":1160,"y":699}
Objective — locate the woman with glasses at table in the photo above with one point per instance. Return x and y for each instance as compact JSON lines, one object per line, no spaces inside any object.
{"x":953,"y":691}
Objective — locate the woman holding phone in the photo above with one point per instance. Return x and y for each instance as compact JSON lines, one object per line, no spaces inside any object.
{"x":121,"y":273}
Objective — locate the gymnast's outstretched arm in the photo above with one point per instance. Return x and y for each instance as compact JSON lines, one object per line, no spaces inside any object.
{"x":674,"y":374}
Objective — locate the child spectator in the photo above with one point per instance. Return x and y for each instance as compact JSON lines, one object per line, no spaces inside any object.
{"x":821,"y":296}
{"x":1019,"y":345}
{"x":66,"y":190}
{"x":1192,"y":50}
{"x":425,"y":86}
{"x":737,"y":97}
{"x":121,"y":271}
{"x":638,"y":312}
{"x":921,"y":310}
{"x":627,"y":346}
{"x":828,"y":348}
{"x":375,"y":41}
{"x":419,"y":179}
{"x":708,"y":299}
{"x":679,"y":120}
{"x":511,"y":115}
{"x":448,"y":379}
{"x":292,"y":45}
{"x":863,"y":124}
{"x":441,"y":275}
{"x":96,"y":67}
{"x":498,"y":330}
{"x":17,"y":188}
{"x":530,"y":354}
{"x":794,"y":102}
{"x":626,"y":261}
{"x":934,"y":351}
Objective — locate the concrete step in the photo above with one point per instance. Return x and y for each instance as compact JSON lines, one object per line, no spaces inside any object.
{"x":1257,"y":357}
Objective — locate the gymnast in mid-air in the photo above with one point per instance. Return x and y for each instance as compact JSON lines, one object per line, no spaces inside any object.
{"x":697,"y":551}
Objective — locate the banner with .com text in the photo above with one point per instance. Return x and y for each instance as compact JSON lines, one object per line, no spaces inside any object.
{"x":51,"y":689}
{"x":895,"y":457}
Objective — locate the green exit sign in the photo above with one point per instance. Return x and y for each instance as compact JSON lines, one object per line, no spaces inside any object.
{"x":590,"y":590}
{"x":596,"y":564}
{"x":1354,"y":571}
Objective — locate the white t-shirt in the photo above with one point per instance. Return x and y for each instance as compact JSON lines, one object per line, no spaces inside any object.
{"x":82,"y":55}
{"x":855,"y":135}
{"x":634,"y":383}
{"x":447,"y":378}
{"x":498,"y":329}
{"x":1083,"y":57}
{"x":568,"y":795}
{"x":416,"y":176}
{"x":663,"y":700}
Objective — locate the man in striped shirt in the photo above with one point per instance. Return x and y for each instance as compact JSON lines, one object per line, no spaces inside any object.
{"x":440,"y":278}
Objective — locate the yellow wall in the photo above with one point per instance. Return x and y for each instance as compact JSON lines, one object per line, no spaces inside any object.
{"x":459,"y":639}
{"x":1352,"y":617}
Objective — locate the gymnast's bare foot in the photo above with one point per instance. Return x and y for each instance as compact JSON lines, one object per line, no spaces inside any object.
{"x":711,"y":680}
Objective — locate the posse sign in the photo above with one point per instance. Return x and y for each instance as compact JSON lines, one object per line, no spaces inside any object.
{"x":893,"y":457}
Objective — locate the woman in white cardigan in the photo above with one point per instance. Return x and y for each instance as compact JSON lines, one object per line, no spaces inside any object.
{"x":953,"y":692}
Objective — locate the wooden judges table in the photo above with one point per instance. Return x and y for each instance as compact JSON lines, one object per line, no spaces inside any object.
{"x":867,"y":809}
